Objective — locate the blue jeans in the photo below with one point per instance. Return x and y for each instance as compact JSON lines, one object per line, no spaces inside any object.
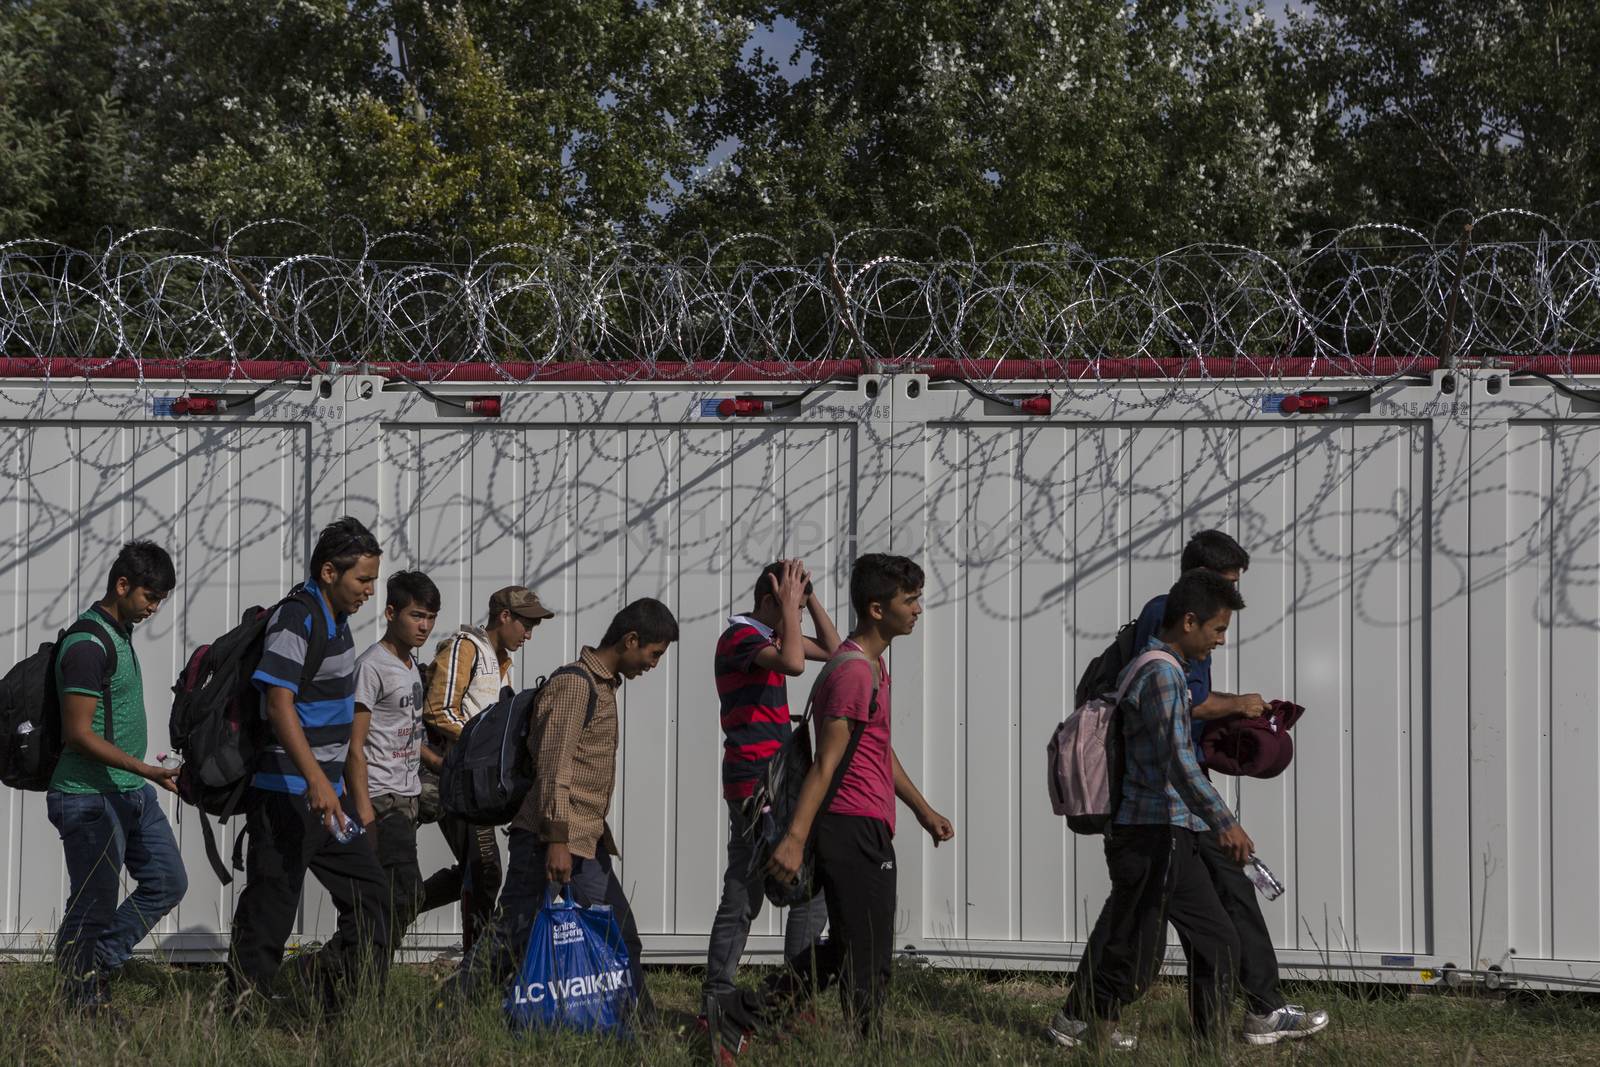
{"x":100,"y":834}
{"x":742,"y":897}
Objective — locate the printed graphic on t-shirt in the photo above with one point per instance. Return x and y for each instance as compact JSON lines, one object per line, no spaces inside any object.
{"x":392,"y":689}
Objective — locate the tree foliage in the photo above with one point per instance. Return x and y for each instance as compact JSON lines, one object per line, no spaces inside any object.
{"x":1124,"y":127}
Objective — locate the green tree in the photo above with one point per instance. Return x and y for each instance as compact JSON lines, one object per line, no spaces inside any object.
{"x":477,"y":119}
{"x":1423,"y":108}
{"x":66,"y":140}
{"x":486,"y":121}
{"x":1126,"y":128}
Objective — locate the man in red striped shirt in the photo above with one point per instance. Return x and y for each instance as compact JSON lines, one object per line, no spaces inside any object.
{"x":755,"y":656}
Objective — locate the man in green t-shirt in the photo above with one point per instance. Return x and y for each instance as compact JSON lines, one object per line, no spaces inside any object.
{"x":102,"y":795}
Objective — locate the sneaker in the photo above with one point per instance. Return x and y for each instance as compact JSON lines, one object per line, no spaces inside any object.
{"x":724,"y":1052}
{"x":1286,"y":1024}
{"x":1075,"y":1033}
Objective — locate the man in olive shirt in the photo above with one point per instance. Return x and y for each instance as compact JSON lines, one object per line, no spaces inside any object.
{"x":101,"y":797}
{"x":560,"y":834}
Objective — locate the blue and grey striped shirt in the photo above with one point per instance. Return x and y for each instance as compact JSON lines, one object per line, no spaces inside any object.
{"x":326,"y":705}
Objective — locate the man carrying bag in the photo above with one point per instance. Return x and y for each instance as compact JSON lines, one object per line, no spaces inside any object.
{"x":559,"y":836}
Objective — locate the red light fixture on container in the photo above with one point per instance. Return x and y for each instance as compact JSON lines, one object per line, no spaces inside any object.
{"x":743,"y":405}
{"x":1312,"y":402}
{"x":487,"y":407}
{"x":200,"y":405}
{"x":1037,"y":404}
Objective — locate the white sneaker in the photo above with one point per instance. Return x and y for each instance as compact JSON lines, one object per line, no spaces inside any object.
{"x":1286,"y":1024}
{"x":1075,"y":1033}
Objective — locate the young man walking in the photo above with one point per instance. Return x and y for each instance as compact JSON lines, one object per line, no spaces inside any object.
{"x":1269,"y":1018}
{"x":387,"y":752}
{"x":468,"y":673}
{"x":102,"y":797}
{"x":755,"y":655}
{"x":854,"y":858}
{"x":297,"y":810}
{"x":1153,"y":849}
{"x":560,"y":836}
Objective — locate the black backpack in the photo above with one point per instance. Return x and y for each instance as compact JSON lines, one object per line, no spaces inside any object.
{"x":771,"y":805}
{"x":1100,"y":676}
{"x":488,"y":771}
{"x":216,"y":723}
{"x":30,"y":712}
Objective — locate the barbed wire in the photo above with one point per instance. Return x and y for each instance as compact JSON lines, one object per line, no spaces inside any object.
{"x":1359,"y":302}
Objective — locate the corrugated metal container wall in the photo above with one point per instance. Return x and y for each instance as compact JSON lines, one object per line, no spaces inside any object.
{"x":1419,"y":568}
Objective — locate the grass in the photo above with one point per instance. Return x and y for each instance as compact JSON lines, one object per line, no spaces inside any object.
{"x":170,"y":1018}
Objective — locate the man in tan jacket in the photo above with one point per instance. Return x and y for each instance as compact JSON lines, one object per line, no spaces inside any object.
{"x":469,"y":670}
{"x":560,"y":836}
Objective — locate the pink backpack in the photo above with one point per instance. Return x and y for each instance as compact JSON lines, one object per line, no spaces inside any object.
{"x":1083,"y":784}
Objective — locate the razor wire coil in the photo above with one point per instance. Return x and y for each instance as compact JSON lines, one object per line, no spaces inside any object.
{"x":280,"y":291}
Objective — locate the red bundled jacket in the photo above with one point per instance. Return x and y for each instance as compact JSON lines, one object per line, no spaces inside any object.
{"x":1252,"y":748}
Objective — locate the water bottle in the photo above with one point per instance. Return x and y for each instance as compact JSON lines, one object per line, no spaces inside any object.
{"x":169,"y":760}
{"x":345,"y":828}
{"x":1260,"y":874}
{"x":350,"y":829}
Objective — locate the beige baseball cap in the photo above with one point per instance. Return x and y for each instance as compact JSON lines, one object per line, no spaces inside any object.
{"x":519,"y":600}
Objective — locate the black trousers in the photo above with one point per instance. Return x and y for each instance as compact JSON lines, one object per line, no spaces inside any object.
{"x":1258,"y":960}
{"x":394,"y":837}
{"x":285,"y":841}
{"x":1157,"y":876}
{"x":474,"y":880}
{"x":855,"y":865}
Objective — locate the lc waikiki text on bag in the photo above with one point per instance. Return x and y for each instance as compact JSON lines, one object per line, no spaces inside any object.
{"x":575,"y":974}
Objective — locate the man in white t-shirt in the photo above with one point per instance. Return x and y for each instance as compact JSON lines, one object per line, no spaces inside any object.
{"x":387,"y":750}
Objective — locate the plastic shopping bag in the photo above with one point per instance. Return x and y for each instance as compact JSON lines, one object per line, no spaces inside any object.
{"x":575,"y":974}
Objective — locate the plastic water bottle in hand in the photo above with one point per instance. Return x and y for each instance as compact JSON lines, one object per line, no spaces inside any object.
{"x":1260,"y":874}
{"x":346,"y":829}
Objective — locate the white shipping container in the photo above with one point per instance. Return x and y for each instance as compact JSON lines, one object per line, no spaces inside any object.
{"x":1425,"y":579}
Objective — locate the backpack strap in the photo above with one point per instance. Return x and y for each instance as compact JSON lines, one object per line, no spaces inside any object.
{"x":855,"y":730}
{"x":827,"y":669}
{"x":96,"y":629}
{"x":1139,"y":664}
{"x":594,"y":691}
{"x":317,"y":637}
{"x":213,"y":854}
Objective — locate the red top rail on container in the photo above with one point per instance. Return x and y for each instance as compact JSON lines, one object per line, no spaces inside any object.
{"x":1109,"y":370}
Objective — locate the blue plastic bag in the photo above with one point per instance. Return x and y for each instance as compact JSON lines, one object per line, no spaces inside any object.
{"x":575,"y":974}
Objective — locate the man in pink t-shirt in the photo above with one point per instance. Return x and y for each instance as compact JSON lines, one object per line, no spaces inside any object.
{"x":853,"y":832}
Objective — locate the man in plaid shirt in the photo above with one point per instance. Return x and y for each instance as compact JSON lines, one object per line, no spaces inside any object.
{"x":1153,"y":849}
